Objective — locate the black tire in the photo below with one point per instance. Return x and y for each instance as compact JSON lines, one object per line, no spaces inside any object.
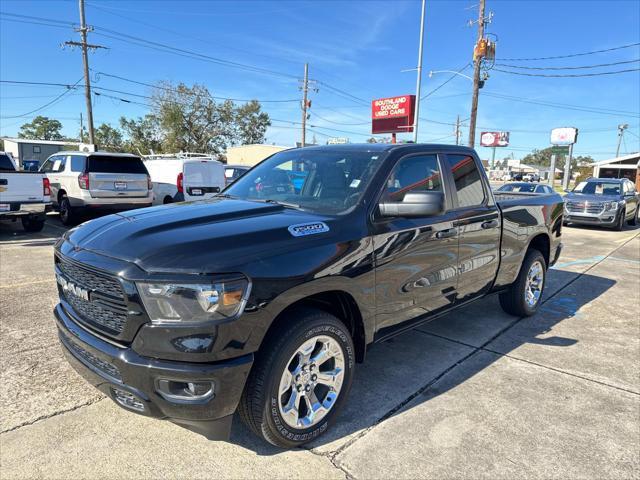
{"x":259,"y":406}
{"x":167,"y":200}
{"x":67,"y":214}
{"x":621,"y":221}
{"x":33,"y":224}
{"x":634,"y":220}
{"x":513,"y":301}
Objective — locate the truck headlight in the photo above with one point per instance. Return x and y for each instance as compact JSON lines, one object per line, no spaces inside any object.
{"x":182,"y":303}
{"x":610,"y":206}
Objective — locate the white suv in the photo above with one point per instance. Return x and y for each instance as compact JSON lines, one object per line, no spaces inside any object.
{"x":92,"y":181}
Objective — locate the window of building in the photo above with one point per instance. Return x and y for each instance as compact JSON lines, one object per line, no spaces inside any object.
{"x":36,"y":149}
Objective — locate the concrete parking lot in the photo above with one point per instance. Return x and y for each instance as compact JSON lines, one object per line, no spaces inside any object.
{"x":477,"y":393}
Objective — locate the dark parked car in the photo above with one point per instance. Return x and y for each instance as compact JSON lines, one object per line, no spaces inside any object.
{"x":608,"y":202}
{"x":262,"y":300}
{"x":234,"y":172}
{"x":525,"y":187}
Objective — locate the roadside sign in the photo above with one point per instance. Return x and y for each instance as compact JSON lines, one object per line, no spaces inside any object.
{"x":560,"y":149}
{"x":494,"y":139}
{"x":393,"y":114}
{"x":564,"y":136}
{"x":337,"y":141}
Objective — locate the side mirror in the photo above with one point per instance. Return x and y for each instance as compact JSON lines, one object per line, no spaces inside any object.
{"x":414,"y":204}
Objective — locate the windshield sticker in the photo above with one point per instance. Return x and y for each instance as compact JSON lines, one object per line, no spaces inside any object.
{"x":304,"y":229}
{"x":355,"y":183}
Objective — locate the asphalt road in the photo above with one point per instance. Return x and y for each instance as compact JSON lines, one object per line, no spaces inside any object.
{"x":477,"y":393}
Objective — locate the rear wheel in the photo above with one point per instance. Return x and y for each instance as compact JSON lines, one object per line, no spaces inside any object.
{"x":67,"y":214}
{"x":523,"y":297}
{"x":33,"y":224}
{"x":300,"y":380}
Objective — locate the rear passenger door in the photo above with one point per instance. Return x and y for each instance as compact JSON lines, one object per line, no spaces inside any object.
{"x":478,"y":222}
{"x":416,"y":258}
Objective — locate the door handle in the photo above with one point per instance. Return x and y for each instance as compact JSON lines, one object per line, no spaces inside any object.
{"x":450,"y":232}
{"x":490,"y":224}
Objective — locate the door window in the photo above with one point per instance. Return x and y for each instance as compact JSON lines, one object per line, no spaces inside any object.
{"x":468,"y":181}
{"x":418,"y":173}
{"x":47,"y":167}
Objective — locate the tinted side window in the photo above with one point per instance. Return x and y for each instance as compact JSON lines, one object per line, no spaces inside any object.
{"x":6,"y":164}
{"x":60,"y":166}
{"x":418,"y":173}
{"x":77,"y":163}
{"x":106,"y":164}
{"x":468,"y":180}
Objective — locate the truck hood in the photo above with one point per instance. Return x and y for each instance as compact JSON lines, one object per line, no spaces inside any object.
{"x":200,"y":237}
{"x":583,"y":197}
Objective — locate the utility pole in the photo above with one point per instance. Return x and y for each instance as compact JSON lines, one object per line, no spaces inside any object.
{"x":458,"y":133}
{"x":621,"y":128}
{"x":81,"y":129}
{"x":85,"y":60}
{"x":476,"y":78}
{"x":305,"y":90}
{"x":419,"y":79}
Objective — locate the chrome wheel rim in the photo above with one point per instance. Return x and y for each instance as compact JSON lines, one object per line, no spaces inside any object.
{"x":534,"y":284}
{"x":311,"y":382}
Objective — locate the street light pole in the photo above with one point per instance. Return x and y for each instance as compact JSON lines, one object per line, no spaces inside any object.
{"x":419,"y":80}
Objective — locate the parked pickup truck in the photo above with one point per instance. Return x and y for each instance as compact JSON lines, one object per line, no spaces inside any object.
{"x":24,"y":195}
{"x":263,"y":299}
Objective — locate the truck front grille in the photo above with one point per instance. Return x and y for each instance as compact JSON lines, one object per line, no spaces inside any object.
{"x":106,"y":307}
{"x":594,"y":208}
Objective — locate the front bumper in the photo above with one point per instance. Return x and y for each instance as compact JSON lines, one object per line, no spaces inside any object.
{"x":607,"y":218}
{"x":119,"y":371}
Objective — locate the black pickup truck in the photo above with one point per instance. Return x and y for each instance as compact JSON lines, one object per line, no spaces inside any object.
{"x":263,"y":299}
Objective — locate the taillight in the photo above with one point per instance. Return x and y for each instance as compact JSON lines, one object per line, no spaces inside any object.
{"x":83,"y":181}
{"x":179,"y":182}
{"x":46,"y":187}
{"x":149,"y":183}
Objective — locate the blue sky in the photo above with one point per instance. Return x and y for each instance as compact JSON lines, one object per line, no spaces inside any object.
{"x":357,"y":47}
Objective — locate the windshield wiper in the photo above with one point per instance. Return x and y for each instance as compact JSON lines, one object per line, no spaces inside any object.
{"x":284,"y":204}
{"x":225,"y":195}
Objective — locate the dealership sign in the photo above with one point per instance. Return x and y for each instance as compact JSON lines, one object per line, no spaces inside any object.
{"x":564,"y":136}
{"x":393,"y":115}
{"x":494,"y":139}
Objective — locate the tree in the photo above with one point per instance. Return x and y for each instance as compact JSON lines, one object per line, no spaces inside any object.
{"x":142,"y":135}
{"x":251,"y":124}
{"x":542,"y":158}
{"x":109,"y":138}
{"x":41,"y":128}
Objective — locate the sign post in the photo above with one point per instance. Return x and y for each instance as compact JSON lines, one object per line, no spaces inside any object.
{"x":552,"y":172}
{"x":565,"y":136}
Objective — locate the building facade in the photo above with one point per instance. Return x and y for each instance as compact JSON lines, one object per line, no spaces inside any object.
{"x":251,"y":155}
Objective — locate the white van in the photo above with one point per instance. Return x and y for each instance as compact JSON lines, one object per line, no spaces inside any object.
{"x":177,"y":179}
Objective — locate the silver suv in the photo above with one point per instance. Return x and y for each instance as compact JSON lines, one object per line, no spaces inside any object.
{"x":93,"y":181}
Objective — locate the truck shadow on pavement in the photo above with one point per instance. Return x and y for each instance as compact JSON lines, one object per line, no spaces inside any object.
{"x":408,"y":370}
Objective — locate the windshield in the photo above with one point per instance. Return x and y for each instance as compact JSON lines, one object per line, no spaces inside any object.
{"x":322,"y":181}
{"x":518,"y":187}
{"x":598,"y":188}
{"x":6,"y":164}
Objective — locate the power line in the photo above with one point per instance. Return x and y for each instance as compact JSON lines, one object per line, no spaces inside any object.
{"x":567,"y":68}
{"x":573,"y":75}
{"x":58,"y":98}
{"x":161,"y":87}
{"x":344,"y":94}
{"x":340,"y":123}
{"x":569,"y":55}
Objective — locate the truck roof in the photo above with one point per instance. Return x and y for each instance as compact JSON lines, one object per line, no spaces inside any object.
{"x":385,"y":147}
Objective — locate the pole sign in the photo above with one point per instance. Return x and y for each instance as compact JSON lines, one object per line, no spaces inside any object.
{"x":560,"y":149}
{"x":393,"y":115}
{"x":564,"y":136}
{"x":494,"y":139}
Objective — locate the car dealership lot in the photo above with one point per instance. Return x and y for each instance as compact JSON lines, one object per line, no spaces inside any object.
{"x":477,"y":393}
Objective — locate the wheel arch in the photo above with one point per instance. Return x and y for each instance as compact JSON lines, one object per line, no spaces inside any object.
{"x":542,"y":243}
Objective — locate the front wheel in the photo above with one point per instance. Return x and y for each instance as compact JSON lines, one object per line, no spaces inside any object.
{"x":621,"y":220}
{"x":300,"y":381}
{"x":634,"y":219}
{"x":523,"y":297}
